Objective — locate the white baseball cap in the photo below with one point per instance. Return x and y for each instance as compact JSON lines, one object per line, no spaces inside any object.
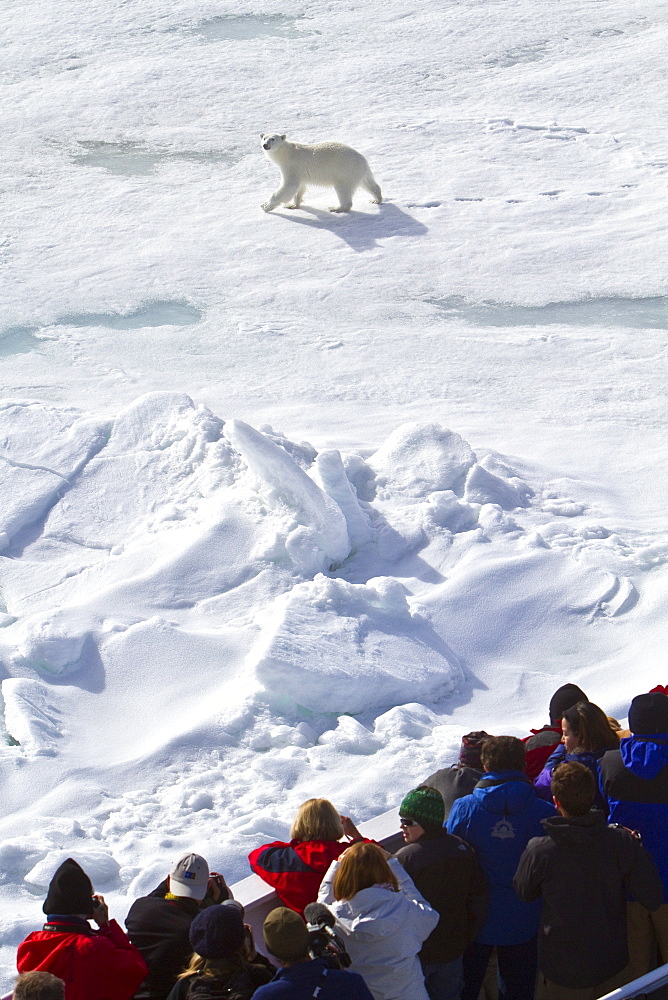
{"x":189,"y":877}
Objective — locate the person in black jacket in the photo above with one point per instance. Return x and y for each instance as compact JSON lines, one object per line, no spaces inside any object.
{"x":460,"y":779}
{"x":446,"y":871}
{"x":159,"y":924}
{"x":583,"y":870}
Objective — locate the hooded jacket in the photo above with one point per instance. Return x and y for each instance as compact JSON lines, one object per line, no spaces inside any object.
{"x":634,"y":782}
{"x":453,"y":783}
{"x":95,"y":965}
{"x":295,"y":870}
{"x":583,"y":870}
{"x":499,"y":819}
{"x":383,"y":931}
{"x":589,"y":758}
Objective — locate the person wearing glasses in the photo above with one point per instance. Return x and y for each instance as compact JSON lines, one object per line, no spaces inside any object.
{"x":446,"y":871}
{"x":382,"y":918}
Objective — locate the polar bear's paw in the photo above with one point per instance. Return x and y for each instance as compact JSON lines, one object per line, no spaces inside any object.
{"x":267,"y":206}
{"x":339,"y":208}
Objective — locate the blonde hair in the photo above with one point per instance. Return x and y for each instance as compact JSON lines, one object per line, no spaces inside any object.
{"x":316,"y":819}
{"x":362,"y":866}
{"x":210,"y":966}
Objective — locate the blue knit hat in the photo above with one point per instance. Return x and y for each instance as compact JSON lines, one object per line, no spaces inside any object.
{"x":218,"y":931}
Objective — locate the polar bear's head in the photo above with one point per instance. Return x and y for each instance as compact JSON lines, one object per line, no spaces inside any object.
{"x":271,"y":140}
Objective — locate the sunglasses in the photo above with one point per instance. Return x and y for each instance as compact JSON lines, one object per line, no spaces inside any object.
{"x":407,"y":822}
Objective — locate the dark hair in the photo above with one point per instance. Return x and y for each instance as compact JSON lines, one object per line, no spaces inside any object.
{"x":503,"y":753}
{"x":573,"y":787}
{"x":565,"y":697}
{"x":39,"y":986}
{"x":590,"y":724}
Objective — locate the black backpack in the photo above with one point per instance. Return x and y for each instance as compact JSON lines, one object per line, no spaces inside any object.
{"x":238,"y":986}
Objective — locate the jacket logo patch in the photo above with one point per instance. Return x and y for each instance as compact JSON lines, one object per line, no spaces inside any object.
{"x":504,"y":830}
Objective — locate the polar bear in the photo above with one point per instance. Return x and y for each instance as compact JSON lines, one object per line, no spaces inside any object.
{"x":324,"y":164}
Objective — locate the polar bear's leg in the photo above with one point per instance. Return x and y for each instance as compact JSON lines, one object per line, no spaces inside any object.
{"x":373,"y":188}
{"x":296,"y":202}
{"x":345,"y":195}
{"x":286,"y":191}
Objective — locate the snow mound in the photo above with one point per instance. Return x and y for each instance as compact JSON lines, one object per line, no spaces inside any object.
{"x":333,"y":646}
{"x":331,"y":477}
{"x":316,"y":529}
{"x":100,"y":867}
{"x":419,"y":459}
{"x":484,"y":487}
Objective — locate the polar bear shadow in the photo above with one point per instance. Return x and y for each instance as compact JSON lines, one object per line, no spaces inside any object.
{"x":361,"y":230}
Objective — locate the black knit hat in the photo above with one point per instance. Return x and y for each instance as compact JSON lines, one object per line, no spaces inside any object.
{"x":218,"y":931}
{"x":70,"y":891}
{"x":285,"y":934}
{"x":425,"y":805}
{"x":563,"y":698}
{"x":649,"y":714}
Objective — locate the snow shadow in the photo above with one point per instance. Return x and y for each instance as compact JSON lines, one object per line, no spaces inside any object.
{"x":521,"y":54}
{"x":360,"y":230}
{"x":160,"y":313}
{"x":133,"y":159}
{"x":18,"y":340}
{"x":636,"y":313}
{"x":88,"y":673}
{"x":21,"y":339}
{"x":243,"y":27}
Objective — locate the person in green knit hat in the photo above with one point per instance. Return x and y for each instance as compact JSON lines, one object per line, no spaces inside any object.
{"x":446,"y":871}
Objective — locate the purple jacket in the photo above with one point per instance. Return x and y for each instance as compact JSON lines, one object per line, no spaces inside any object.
{"x":589,"y":758}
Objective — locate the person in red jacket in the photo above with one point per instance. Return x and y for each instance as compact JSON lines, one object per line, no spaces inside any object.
{"x":542,"y":743}
{"x":94,"y":965}
{"x":295,"y":870}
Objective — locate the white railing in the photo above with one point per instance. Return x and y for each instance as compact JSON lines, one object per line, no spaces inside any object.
{"x":642,"y":986}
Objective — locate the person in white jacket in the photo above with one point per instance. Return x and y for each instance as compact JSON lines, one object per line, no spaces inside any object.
{"x":382,"y":918}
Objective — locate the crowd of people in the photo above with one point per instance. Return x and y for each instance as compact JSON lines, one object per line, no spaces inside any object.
{"x":532,"y":869}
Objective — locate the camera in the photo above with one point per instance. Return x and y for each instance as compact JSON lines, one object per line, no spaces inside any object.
{"x":323,"y":942}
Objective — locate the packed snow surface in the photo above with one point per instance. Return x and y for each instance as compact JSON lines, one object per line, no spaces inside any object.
{"x":290,"y":502}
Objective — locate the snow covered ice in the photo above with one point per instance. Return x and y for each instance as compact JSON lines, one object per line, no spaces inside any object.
{"x":291,"y":502}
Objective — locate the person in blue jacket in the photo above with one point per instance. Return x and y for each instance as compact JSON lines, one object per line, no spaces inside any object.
{"x":301,"y":977}
{"x":587,"y":735}
{"x":634,"y":781}
{"x":499,"y":819}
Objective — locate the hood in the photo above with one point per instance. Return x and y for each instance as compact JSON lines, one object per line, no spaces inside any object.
{"x":318,"y":854}
{"x":645,"y":756}
{"x":504,"y":793}
{"x":580,"y":831}
{"x":372,"y":913}
{"x":44,"y":950}
{"x":544,"y":729}
{"x":586,"y":757}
